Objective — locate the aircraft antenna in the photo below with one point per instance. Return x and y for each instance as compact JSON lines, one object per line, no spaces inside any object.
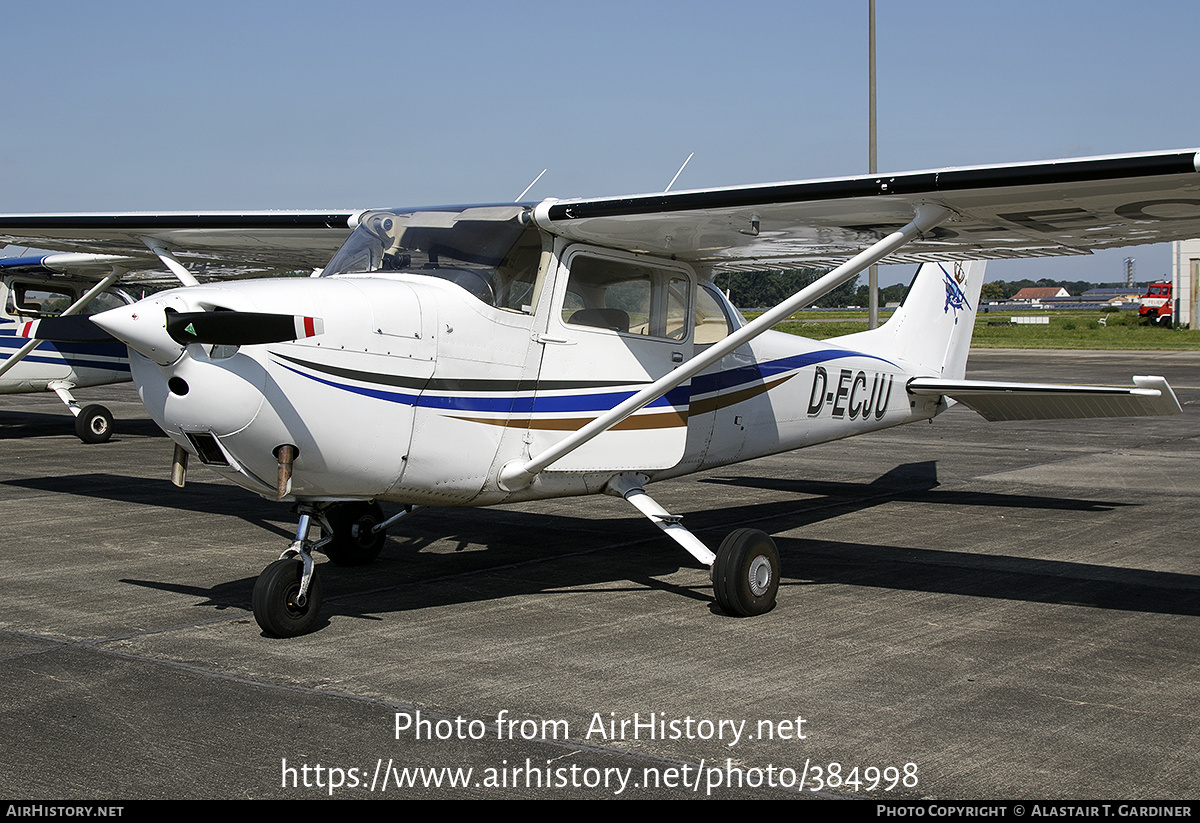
{"x":530,"y":186}
{"x":681,"y":168}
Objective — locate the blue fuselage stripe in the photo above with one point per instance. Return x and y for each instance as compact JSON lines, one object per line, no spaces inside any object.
{"x":525,"y":404}
{"x":725,"y":380}
{"x":112,"y":357}
{"x":532,"y":403}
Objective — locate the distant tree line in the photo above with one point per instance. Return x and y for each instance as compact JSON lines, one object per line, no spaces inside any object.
{"x":756,"y":290}
{"x":759,"y":289}
{"x":751,"y":290}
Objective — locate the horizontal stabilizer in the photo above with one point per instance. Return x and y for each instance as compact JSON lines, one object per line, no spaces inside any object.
{"x":1045,"y":401}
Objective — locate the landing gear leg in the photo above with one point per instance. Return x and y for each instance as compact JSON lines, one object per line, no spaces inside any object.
{"x":745,"y":569}
{"x":93,"y":424}
{"x":287,"y":595}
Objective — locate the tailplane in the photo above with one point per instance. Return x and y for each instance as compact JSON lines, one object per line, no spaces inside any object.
{"x":932,"y":328}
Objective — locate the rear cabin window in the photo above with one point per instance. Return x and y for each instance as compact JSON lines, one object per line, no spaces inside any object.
{"x":712,"y":324}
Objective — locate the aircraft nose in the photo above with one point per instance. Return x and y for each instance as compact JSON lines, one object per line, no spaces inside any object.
{"x":160,"y":327}
{"x":142,"y":327}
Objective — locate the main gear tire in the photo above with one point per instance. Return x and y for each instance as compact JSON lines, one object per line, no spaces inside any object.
{"x":354,"y":543}
{"x":745,"y":573}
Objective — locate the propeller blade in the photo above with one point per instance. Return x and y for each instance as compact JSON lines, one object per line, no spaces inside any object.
{"x":239,"y":328}
{"x":74,"y":328}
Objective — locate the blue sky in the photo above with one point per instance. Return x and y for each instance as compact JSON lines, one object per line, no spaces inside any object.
{"x":238,"y":105}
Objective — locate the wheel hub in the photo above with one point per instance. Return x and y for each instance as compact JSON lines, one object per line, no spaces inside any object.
{"x":760,"y":575}
{"x":296,"y":602}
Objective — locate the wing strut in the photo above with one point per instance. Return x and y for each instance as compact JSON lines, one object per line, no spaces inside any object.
{"x":516,"y":474}
{"x":168,"y":259}
{"x":75,"y":308}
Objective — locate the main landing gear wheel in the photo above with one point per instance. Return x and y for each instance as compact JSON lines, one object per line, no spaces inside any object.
{"x":745,"y":574}
{"x":353,"y":543}
{"x":275,"y":599}
{"x":94,"y":424}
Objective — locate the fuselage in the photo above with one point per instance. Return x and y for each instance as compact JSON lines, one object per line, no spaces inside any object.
{"x":423,"y":384}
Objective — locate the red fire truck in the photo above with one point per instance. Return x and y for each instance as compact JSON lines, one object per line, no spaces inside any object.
{"x":1157,"y":305}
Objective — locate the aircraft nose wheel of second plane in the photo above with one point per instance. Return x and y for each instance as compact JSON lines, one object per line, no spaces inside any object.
{"x":745,"y":574}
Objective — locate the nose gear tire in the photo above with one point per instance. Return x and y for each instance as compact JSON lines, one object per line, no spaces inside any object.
{"x":275,"y":606}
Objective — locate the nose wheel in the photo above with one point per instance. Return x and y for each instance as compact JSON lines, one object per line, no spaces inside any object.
{"x":287,"y":595}
{"x":281,"y":607}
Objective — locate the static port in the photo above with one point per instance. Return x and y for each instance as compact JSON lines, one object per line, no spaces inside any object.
{"x":178,"y":386}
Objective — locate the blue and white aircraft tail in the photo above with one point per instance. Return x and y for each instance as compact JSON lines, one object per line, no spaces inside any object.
{"x":931,"y":335}
{"x":931,"y":331}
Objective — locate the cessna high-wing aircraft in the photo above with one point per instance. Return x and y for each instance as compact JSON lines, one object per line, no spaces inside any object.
{"x":34,"y":288}
{"x":492,"y":354}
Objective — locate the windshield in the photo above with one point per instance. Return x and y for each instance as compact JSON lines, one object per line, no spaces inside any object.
{"x":485,"y":250}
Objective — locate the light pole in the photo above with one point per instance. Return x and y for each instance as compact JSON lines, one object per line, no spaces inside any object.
{"x":873,"y":273}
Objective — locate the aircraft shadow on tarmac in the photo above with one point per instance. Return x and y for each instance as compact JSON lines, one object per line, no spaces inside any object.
{"x":910,"y":482}
{"x":526,"y":553}
{"x":208,"y":498}
{"x":38,"y":424}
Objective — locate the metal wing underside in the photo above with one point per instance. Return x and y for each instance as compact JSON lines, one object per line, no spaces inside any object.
{"x":211,"y":244}
{"x":1044,"y":209}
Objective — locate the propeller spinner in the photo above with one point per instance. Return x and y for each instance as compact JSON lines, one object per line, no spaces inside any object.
{"x":160,"y":332}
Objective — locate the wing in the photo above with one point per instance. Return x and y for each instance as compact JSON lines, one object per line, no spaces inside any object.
{"x":212,"y":244}
{"x":1039,"y":209}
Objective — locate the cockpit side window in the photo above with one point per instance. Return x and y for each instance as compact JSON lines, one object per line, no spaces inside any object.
{"x":627,"y":297}
{"x":27,"y":300}
{"x":34,"y":300}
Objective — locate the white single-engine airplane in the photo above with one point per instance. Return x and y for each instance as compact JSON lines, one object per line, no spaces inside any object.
{"x":53,"y":287}
{"x":476,"y":356}
{"x":33,"y":289}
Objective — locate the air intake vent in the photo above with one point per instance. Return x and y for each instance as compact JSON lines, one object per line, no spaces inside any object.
{"x":206,"y":447}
